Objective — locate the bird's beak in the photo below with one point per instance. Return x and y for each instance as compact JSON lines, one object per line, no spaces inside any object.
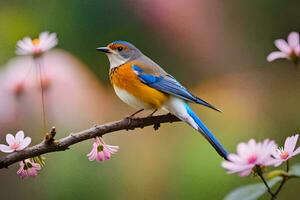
{"x":104,"y":49}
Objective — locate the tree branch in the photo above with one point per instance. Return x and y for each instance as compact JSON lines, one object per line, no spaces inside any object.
{"x":99,"y":130}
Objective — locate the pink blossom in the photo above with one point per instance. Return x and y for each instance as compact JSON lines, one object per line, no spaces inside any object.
{"x":61,"y":73}
{"x":17,"y":143}
{"x":44,"y":42}
{"x":45,"y":82}
{"x":101,"y":151}
{"x":289,"y":49}
{"x":28,"y":169}
{"x":283,"y":154}
{"x":18,"y":88}
{"x":249,"y":155}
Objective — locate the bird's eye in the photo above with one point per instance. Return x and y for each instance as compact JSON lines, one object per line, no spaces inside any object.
{"x":120,"y":48}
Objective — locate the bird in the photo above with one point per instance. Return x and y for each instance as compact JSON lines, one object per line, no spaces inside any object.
{"x":144,"y":85}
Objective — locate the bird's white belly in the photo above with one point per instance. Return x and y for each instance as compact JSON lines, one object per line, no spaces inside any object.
{"x":130,"y":99}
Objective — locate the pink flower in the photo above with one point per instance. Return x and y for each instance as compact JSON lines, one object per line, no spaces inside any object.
{"x":283,"y":154}
{"x":17,"y":143}
{"x":37,"y":46}
{"x":28,"y":169}
{"x":289,"y":50}
{"x":18,"y":88}
{"x":249,"y":155}
{"x":101,"y":151}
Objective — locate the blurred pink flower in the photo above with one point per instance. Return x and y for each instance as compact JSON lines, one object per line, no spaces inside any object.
{"x":101,"y":151}
{"x":45,"y":82}
{"x":37,"y":46}
{"x":186,"y":26}
{"x":17,"y":143}
{"x":283,"y":154}
{"x":18,"y":88}
{"x":249,"y":155}
{"x":28,"y":169}
{"x":62,"y":72}
{"x":289,"y":50}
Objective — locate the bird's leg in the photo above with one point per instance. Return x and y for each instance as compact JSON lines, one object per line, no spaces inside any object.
{"x":152,"y":113}
{"x":131,"y":116}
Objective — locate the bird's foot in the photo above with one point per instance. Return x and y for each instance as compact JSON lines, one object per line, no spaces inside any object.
{"x":151,"y":114}
{"x":129,"y":121}
{"x":132,"y":116}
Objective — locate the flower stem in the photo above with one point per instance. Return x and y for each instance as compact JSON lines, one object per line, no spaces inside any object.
{"x":285,"y":178}
{"x":280,"y":187}
{"x":267,"y":186}
{"x":27,"y":74}
{"x":39,"y":67}
{"x":260,"y":174}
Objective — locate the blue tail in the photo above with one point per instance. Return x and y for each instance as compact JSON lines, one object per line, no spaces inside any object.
{"x":207,"y":134}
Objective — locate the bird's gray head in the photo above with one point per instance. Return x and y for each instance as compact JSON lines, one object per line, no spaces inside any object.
{"x":120,"y":52}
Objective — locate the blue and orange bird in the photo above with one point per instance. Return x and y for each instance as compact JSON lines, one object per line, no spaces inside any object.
{"x":143,"y":84}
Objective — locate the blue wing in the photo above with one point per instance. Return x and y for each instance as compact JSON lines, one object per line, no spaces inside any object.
{"x":169,"y":85}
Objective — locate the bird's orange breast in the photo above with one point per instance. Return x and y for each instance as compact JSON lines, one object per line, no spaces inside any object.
{"x":124,"y":78}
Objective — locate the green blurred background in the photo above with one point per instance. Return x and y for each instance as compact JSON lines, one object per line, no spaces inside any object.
{"x":217,"y":49}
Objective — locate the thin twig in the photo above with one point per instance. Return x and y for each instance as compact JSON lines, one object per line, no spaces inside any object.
{"x":64,"y":143}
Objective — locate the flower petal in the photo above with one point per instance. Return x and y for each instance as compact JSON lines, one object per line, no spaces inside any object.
{"x":290,"y":143}
{"x":297,"y":151}
{"x":22,"y":52}
{"x":234,"y":168}
{"x":236,"y":159}
{"x":93,"y":153}
{"x":271,"y":161}
{"x":6,"y":149}
{"x":22,"y":45}
{"x":44,"y":35}
{"x":276,"y":55}
{"x":283,"y":46}
{"x":106,"y":154}
{"x":27,"y":41}
{"x":100,"y":156}
{"x":92,"y":156}
{"x":32,"y":172}
{"x":36,"y":166}
{"x":293,"y":39}
{"x":20,"y":136}
{"x":112,"y":149}
{"x":245,"y":172}
{"x":278,"y":163}
{"x":24,"y":143}
{"x":48,"y":41}
{"x":268,"y":147}
{"x":276,"y":153}
{"x":242,"y":149}
{"x":10,"y":139}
